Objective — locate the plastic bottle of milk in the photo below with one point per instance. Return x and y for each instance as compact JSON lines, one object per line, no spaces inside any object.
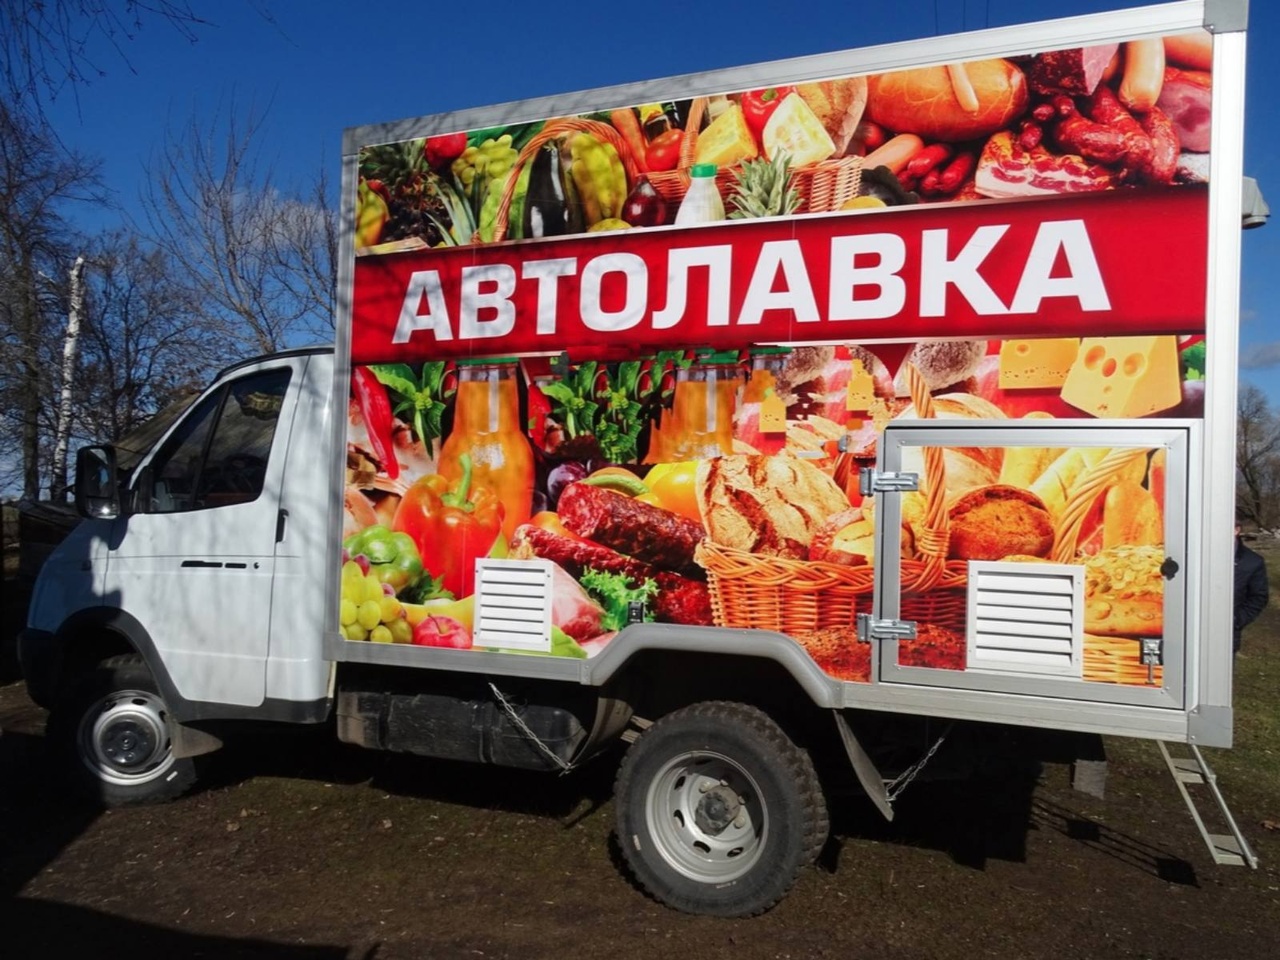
{"x":702,"y":203}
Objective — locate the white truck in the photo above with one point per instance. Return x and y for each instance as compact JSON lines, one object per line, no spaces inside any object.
{"x":754,"y":420}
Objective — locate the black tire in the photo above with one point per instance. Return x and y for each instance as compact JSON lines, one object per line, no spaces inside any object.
{"x":718,"y":810}
{"x":110,"y":729}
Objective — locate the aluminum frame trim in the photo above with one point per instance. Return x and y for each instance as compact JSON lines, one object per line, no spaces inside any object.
{"x":1061,"y":33}
{"x":341,"y":377}
{"x":1222,"y":311}
{"x":1176,"y":694}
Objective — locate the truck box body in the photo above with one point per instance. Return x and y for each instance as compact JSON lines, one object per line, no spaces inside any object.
{"x":893,"y":384}
{"x":1063,"y":560}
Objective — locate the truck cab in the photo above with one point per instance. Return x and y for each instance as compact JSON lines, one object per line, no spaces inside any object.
{"x":198,"y":574}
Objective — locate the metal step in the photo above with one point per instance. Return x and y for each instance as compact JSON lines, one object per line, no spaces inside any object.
{"x":1227,"y":849}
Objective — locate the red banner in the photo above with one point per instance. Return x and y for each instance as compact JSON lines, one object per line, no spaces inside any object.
{"x":1101,"y":264}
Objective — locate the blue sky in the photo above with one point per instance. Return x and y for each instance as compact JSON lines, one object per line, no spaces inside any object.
{"x":317,"y":67}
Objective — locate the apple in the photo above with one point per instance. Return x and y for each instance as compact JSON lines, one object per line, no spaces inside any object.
{"x":440,"y":631}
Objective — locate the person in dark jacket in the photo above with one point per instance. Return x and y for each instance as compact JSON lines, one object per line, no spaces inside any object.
{"x":1251,"y":588}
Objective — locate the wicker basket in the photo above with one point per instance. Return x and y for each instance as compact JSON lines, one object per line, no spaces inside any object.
{"x":555,"y":130}
{"x":803,"y":597}
{"x":822,"y":187}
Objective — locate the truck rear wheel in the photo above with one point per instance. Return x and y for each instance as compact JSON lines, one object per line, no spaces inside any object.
{"x":718,"y":810}
{"x":111,"y":730}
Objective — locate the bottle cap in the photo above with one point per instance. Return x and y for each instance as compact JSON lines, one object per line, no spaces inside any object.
{"x":485,"y":361}
{"x":703,"y":170}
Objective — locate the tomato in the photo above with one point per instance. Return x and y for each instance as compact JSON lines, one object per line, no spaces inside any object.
{"x":676,"y":489}
{"x":664,"y":150}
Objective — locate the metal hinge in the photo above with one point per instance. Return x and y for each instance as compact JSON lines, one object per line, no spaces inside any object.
{"x":872,"y":481}
{"x":869,"y":628}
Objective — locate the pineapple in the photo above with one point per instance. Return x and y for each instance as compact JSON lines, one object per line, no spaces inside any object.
{"x":415,"y":211}
{"x":763,"y":189}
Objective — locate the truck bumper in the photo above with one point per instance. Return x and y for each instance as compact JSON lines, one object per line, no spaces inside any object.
{"x":40,"y":659}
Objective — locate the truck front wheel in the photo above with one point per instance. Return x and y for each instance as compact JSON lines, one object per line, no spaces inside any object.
{"x":111,"y":731}
{"x":718,"y":810}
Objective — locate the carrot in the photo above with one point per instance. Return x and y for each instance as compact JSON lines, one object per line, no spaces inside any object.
{"x":625,"y":122}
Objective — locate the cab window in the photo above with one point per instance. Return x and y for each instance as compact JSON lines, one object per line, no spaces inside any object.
{"x":218,"y":455}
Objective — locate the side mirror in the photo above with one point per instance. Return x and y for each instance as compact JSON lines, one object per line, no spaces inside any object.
{"x":97,"y":489}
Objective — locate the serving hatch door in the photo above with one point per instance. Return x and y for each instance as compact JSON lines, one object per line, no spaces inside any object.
{"x":1046,"y":560}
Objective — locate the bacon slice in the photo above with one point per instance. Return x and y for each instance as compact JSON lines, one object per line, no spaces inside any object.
{"x":1008,"y":170}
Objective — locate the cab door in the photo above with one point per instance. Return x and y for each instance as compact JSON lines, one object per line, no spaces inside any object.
{"x":1064,"y":578}
{"x":193,"y":562}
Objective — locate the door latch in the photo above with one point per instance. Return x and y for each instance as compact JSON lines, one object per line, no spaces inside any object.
{"x":1152,"y":656}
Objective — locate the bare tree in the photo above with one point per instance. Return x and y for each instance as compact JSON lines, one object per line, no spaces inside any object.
{"x":141,"y":348}
{"x":259,"y":255}
{"x":1257,"y":458}
{"x":47,"y":47}
{"x":38,"y":181}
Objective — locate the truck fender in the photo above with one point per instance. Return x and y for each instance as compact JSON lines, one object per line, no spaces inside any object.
{"x":822,"y":689}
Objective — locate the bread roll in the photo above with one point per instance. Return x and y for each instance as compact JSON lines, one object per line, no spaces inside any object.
{"x":942,"y":363}
{"x":924,"y":101}
{"x":996,"y":521}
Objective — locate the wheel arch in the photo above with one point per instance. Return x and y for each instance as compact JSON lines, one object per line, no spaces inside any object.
{"x":91,"y":636}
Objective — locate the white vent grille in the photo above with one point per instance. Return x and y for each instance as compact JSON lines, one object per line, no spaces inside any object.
{"x":1026,"y":618}
{"x":513,"y":604}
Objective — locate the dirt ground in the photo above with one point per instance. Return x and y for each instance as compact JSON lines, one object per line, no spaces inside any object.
{"x":300,"y":848}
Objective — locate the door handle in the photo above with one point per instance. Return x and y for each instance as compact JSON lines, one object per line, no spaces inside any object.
{"x":282,"y":515}
{"x":201,"y":563}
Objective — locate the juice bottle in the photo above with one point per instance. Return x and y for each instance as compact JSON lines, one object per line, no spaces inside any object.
{"x":486,"y":427}
{"x":701,"y":422}
{"x":702,"y":203}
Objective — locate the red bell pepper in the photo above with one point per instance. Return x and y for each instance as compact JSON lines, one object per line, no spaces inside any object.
{"x":758,"y":106}
{"x":375,"y":409}
{"x":452,"y":527}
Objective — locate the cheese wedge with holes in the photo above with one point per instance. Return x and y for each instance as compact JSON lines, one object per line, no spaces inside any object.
{"x":1035,"y":364}
{"x":1118,"y":377}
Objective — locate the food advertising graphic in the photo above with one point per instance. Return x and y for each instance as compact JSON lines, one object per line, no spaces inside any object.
{"x":653,"y":347}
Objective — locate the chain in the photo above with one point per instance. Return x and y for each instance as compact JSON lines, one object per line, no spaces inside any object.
{"x":895,"y":787}
{"x":564,"y":765}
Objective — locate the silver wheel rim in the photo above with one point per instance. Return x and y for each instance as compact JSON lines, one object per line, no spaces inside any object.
{"x":123,"y":739}
{"x":706,"y":816}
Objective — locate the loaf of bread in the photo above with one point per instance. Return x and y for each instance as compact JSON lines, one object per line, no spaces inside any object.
{"x":770,"y":505}
{"x":926,"y":101}
{"x":838,"y":104}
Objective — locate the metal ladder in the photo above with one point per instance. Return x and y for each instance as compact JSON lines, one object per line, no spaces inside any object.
{"x":1227,"y":848}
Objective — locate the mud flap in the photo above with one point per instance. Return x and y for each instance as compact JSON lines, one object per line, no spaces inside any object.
{"x":866,"y":771}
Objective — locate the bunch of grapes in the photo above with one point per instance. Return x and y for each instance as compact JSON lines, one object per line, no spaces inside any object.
{"x":370,"y":610}
{"x":491,"y":160}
